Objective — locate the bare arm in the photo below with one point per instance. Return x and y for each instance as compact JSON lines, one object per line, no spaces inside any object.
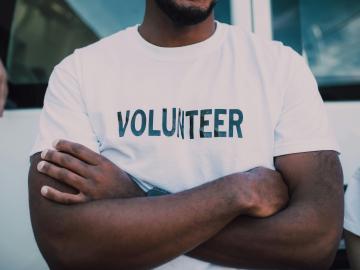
{"x":304,"y":235}
{"x":273,"y":236}
{"x":134,"y":233}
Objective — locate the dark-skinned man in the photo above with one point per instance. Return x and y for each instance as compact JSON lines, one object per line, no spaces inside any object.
{"x":185,"y":143}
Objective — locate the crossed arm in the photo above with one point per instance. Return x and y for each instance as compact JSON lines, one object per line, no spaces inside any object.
{"x":303,"y":236}
{"x":209,"y":222}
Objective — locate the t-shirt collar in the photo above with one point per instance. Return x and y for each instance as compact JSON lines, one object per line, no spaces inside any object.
{"x":180,"y":53}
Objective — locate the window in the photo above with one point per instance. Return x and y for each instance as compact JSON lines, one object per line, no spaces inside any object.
{"x":327,"y":33}
{"x":45,"y":31}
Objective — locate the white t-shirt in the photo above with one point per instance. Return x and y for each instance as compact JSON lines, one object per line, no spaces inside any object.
{"x":352,"y":205}
{"x":180,"y":117}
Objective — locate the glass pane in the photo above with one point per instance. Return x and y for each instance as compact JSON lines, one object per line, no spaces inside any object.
{"x":45,"y":31}
{"x":331,"y":39}
{"x":286,"y":23}
{"x":327,"y":32}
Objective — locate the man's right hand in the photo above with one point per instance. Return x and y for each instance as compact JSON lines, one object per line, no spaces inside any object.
{"x":91,"y":174}
{"x":3,"y":88}
{"x":263,"y":191}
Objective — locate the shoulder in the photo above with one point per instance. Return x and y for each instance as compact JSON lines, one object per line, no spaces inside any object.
{"x":263,"y":50}
{"x":98,"y":53}
{"x":117,"y":41}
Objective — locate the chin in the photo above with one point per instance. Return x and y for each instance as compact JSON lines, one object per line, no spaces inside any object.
{"x":187,"y":12}
{"x":197,"y":4}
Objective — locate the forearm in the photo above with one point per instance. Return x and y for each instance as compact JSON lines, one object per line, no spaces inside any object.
{"x":292,"y":239}
{"x":304,"y":235}
{"x":132,"y":233}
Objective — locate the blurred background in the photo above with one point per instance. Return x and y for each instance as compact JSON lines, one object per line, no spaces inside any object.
{"x":35,"y":35}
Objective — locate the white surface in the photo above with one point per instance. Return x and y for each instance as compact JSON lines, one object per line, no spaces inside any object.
{"x":18,"y":249}
{"x":344,"y":117}
{"x":352,"y":203}
{"x":241,"y":13}
{"x":253,"y":15}
{"x":262,"y":18}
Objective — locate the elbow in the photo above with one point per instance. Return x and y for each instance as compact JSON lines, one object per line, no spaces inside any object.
{"x":66,"y":252}
{"x":63,"y":251}
{"x":63,"y":256}
{"x":327,"y":252}
{"x":56,"y":251}
{"x":321,"y":249}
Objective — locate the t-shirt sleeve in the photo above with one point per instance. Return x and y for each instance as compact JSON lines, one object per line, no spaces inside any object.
{"x":303,"y":123}
{"x":64,"y":115}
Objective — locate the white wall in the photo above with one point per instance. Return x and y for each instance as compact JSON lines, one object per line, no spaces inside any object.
{"x":344,"y":117}
{"x":18,"y":249}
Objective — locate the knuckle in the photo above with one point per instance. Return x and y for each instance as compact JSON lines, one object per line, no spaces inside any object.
{"x":76,"y":148}
{"x":101,"y":159}
{"x":95,"y":171}
{"x":105,"y":165}
{"x":64,"y":160}
{"x":62,"y":174}
{"x":77,"y":182}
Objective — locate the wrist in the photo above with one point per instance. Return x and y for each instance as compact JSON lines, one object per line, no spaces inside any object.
{"x":240,"y":186}
{"x":134,"y":187}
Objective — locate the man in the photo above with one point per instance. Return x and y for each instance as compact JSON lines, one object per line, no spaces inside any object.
{"x":3,"y":88}
{"x":198,"y":114}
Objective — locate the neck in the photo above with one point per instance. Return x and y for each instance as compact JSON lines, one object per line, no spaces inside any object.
{"x":158,"y":29}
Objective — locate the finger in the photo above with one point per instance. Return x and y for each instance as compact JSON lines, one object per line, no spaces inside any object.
{"x":66,"y":161}
{"x":62,"y":197}
{"x":79,"y":151}
{"x":63,"y":175}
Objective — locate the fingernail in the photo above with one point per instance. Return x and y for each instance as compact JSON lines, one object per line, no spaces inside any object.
{"x":55,"y":143}
{"x":40,"y":165}
{"x":44,"y":190}
{"x":43,"y":153}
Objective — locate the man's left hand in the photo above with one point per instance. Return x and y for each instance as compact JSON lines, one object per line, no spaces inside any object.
{"x":94,"y":176}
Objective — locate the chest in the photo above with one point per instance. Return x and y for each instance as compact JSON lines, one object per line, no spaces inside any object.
{"x":183,"y":126}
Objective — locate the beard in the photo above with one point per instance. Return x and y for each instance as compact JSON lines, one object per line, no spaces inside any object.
{"x":184,"y":16}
